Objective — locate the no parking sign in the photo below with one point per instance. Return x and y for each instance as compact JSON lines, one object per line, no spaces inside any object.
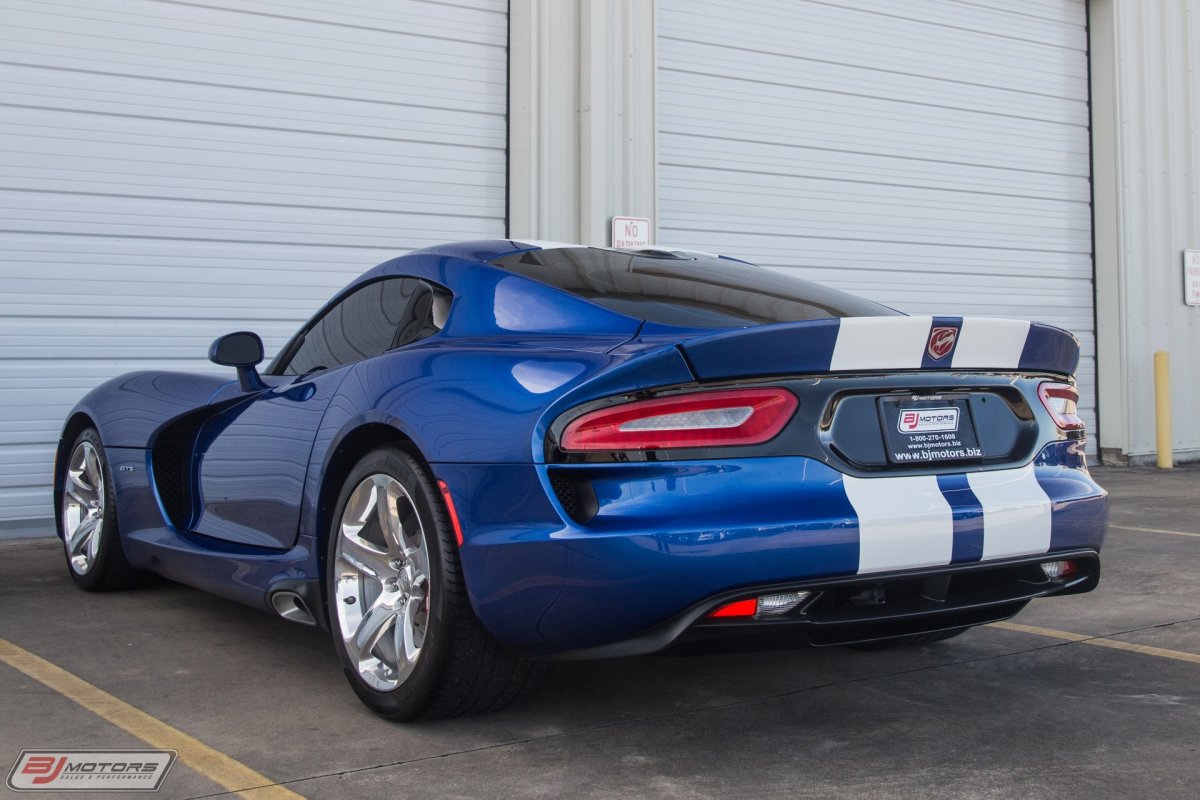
{"x":632,"y":232}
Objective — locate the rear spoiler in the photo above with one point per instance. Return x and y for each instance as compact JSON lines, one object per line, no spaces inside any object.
{"x":883,"y":344}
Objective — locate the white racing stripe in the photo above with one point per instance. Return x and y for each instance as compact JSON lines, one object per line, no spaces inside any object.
{"x":903,"y":523}
{"x":1016,"y":512}
{"x":879,"y":343}
{"x":990,"y":343}
{"x":869,"y":343}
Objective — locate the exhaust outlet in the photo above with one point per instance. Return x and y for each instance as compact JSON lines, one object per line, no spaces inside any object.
{"x":291,"y":606}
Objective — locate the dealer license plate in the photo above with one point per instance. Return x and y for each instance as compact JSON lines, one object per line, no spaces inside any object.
{"x":928,"y":429}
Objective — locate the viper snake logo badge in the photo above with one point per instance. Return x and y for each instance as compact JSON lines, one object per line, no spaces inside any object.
{"x":941,"y":342}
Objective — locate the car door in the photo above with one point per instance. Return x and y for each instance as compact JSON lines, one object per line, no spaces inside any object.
{"x":253,"y":457}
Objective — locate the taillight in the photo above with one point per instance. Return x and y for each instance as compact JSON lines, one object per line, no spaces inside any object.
{"x":1061,"y":400}
{"x":738,"y":608}
{"x":703,"y":419}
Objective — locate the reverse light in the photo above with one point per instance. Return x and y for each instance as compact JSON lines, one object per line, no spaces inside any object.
{"x":1061,"y":400}
{"x":701,"y":419}
{"x":770,"y":604}
{"x":1058,"y":569}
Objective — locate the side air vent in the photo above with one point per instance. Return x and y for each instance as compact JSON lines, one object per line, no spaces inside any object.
{"x":169,"y":459}
{"x":575,"y":494}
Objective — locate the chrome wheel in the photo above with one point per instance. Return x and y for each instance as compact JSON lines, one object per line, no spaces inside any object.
{"x":381,"y":581}
{"x":83,"y":507}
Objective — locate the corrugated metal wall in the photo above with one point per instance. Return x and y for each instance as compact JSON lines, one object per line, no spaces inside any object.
{"x":1148,"y":212}
{"x":931,"y":155}
{"x":170,"y":172}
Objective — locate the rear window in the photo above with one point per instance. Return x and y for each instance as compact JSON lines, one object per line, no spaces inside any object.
{"x":686,"y":289}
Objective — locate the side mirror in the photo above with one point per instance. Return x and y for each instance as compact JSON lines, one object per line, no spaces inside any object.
{"x":243,"y":350}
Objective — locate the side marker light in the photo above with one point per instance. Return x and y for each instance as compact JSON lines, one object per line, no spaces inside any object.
{"x":450,"y":509}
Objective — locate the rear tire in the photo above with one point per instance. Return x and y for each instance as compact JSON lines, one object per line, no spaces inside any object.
{"x":397,"y":605}
{"x":88,"y":522}
{"x":911,"y":640}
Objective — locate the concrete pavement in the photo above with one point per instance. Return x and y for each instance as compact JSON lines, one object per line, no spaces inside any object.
{"x":994,"y":713}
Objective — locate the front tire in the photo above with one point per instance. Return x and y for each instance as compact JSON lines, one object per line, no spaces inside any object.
{"x":402,"y":624}
{"x":88,"y":521}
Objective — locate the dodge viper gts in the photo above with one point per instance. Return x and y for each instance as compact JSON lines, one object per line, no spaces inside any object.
{"x":485,"y":456}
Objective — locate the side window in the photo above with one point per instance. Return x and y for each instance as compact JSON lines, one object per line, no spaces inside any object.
{"x":373,"y":319}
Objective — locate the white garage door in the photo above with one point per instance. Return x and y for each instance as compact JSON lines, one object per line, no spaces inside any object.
{"x":171,"y":171}
{"x":931,"y":155}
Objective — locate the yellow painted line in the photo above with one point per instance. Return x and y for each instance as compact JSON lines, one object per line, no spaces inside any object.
{"x":219,"y":768}
{"x":1144,"y":649}
{"x":1153,"y":530}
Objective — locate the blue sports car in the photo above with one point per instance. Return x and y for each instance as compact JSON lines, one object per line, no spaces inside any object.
{"x":481,"y":457}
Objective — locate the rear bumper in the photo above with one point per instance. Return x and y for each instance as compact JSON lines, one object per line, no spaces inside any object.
{"x":860,"y":609}
{"x":667,"y":538}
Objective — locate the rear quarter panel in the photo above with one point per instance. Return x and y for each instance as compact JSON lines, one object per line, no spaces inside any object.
{"x":485,"y":403}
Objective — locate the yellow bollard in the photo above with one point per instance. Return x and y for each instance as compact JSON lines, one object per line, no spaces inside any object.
{"x":1162,"y":410}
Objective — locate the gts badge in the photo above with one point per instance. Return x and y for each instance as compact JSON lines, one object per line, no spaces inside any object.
{"x":126,"y":468}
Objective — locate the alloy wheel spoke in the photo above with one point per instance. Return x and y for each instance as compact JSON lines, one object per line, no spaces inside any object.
{"x":365,"y":557}
{"x":82,"y":493}
{"x":373,"y":628}
{"x":93,"y":542}
{"x":419,"y":558}
{"x":92,"y":467}
{"x":406,"y":646}
{"x":385,"y":512}
{"x":82,"y":535}
{"x":359,"y":509}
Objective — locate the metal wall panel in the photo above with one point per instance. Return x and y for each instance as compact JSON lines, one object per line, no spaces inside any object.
{"x":930,"y":155}
{"x":170,"y":172}
{"x":1147,"y":127}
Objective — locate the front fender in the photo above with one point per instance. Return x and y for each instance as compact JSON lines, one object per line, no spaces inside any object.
{"x":128,"y":409}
